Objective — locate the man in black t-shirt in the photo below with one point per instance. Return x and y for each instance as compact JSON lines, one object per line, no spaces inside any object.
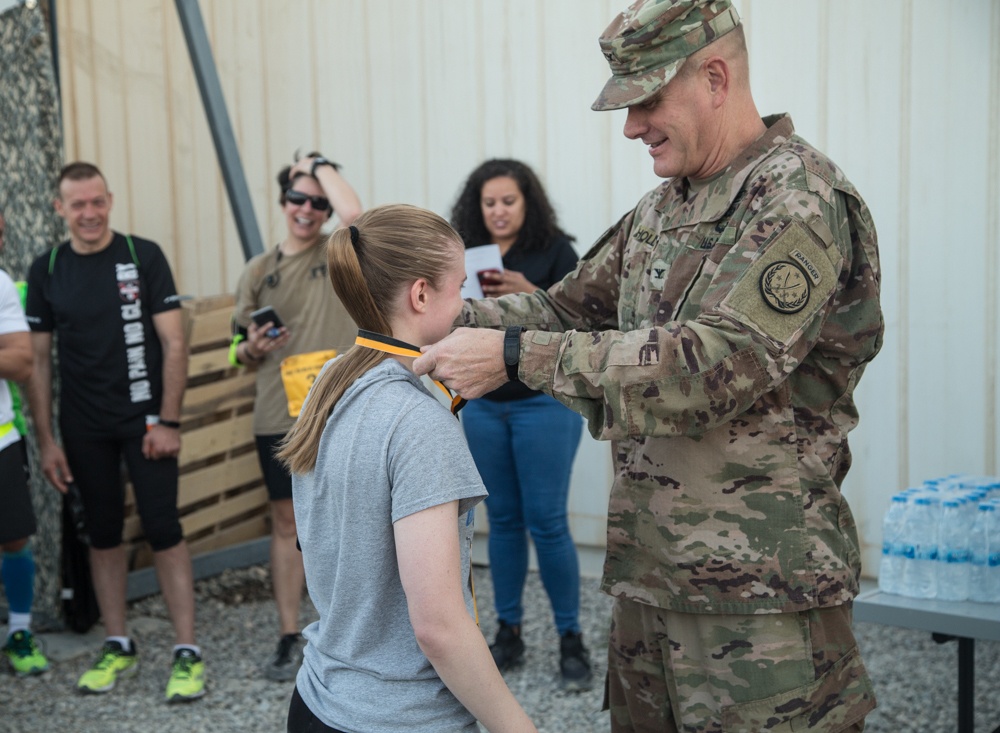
{"x":110,"y":300}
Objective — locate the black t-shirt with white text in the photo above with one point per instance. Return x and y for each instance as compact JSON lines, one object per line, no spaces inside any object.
{"x":100,"y":307}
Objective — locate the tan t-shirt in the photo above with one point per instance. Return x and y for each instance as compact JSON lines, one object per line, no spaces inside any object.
{"x":305,"y":301}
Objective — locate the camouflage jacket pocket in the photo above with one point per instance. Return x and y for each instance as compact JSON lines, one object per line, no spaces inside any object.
{"x":841,"y":697}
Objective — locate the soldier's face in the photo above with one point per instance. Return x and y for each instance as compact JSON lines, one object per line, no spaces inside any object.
{"x":674,"y":124}
{"x":85,"y":205}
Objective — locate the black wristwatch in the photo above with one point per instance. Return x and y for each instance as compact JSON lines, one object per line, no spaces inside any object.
{"x":320,"y":160}
{"x":512,"y":351}
{"x":172,"y":424}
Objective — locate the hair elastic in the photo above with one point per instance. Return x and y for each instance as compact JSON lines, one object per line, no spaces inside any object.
{"x":354,"y":234}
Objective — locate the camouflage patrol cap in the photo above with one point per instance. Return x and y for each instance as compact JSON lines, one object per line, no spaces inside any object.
{"x":647,"y":43}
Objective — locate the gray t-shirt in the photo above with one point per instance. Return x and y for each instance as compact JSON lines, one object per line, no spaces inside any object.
{"x":389,"y":450}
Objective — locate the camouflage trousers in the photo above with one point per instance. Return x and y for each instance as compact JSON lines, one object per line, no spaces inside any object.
{"x":671,"y":672}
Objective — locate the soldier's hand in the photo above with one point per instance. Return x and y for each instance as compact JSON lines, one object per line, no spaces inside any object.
{"x":161,"y":442}
{"x":469,"y":361}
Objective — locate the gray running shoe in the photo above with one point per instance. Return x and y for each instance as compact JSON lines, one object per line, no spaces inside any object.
{"x":283,"y":665}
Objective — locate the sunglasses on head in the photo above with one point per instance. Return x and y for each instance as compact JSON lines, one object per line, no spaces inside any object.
{"x":319,"y":203}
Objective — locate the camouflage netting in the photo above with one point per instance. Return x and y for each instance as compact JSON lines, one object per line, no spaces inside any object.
{"x":30,"y":158}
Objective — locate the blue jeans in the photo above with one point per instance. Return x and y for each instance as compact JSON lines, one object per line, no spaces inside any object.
{"x":524,"y":451}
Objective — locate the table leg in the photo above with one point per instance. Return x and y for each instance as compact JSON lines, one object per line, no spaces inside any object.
{"x":966,"y":680}
{"x":966,"y":684}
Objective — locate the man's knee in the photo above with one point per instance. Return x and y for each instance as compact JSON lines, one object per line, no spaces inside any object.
{"x":283,"y":518}
{"x":163,"y":533}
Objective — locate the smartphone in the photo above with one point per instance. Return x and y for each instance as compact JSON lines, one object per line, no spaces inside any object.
{"x":487,"y":280}
{"x":265,"y":315}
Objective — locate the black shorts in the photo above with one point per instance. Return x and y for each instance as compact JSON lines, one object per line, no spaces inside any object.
{"x":17,"y":518}
{"x":276,"y":476}
{"x":96,"y":464}
{"x":303,"y":720}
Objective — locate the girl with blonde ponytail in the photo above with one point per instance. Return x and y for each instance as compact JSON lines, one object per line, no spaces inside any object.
{"x":384,"y":488}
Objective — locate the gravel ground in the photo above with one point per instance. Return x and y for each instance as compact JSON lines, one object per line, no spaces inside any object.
{"x":914,"y":677}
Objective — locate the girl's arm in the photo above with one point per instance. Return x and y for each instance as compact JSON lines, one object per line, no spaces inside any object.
{"x":429,"y":567}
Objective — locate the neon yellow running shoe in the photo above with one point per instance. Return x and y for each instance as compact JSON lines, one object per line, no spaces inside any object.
{"x":114,"y":663}
{"x":24,"y":654}
{"x":187,"y":677}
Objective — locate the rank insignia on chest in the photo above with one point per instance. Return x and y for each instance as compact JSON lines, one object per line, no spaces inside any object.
{"x":658,"y":274}
{"x":785,"y":287}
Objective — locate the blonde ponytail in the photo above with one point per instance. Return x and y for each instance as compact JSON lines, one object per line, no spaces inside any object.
{"x":389,"y":247}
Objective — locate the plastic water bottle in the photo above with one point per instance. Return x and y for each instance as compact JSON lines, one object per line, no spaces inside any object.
{"x":994,"y":559}
{"x":890,"y":571}
{"x":980,"y":542}
{"x":920,"y":538}
{"x":953,"y":551}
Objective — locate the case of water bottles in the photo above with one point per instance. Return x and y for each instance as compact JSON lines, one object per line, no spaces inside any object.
{"x":942,"y":540}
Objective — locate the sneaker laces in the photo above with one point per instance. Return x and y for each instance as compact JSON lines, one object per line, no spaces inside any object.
{"x":184,"y":660}
{"x":22,"y":644}
{"x":108,"y":656}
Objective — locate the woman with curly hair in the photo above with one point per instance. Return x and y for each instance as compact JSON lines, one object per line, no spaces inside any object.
{"x":523,"y":441}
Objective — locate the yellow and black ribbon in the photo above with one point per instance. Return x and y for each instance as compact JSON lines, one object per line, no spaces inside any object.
{"x":378,"y":342}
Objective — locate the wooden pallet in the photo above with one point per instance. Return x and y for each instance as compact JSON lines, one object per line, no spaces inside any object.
{"x":221,"y":495}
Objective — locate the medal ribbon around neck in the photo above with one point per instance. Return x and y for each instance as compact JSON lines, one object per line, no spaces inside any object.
{"x":378,"y":342}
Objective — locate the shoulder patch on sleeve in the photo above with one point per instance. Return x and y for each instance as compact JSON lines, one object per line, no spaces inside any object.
{"x":785,"y":287}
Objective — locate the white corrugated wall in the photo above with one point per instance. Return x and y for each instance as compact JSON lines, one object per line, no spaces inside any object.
{"x":409,"y":95}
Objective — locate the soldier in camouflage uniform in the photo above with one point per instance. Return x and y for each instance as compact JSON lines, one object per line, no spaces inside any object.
{"x":715,"y":335}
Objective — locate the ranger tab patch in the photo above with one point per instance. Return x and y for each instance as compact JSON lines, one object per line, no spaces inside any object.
{"x":785,"y":287}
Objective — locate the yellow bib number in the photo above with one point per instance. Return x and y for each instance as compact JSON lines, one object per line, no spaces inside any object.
{"x":298,"y":372}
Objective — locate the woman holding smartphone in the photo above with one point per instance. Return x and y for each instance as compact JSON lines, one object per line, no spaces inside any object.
{"x":523,"y":441}
{"x":292,"y":279}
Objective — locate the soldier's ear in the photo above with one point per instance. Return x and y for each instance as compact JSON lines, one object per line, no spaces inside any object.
{"x":717,"y":76}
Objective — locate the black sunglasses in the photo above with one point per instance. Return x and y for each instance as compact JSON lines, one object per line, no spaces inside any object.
{"x":319,"y":203}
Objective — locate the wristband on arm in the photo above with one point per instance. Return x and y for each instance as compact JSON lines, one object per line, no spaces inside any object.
{"x":234,"y":351}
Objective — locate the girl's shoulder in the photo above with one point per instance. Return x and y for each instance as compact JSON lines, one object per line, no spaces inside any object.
{"x":396,"y":391}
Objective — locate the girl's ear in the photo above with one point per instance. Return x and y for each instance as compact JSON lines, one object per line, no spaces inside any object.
{"x":419,"y":295}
